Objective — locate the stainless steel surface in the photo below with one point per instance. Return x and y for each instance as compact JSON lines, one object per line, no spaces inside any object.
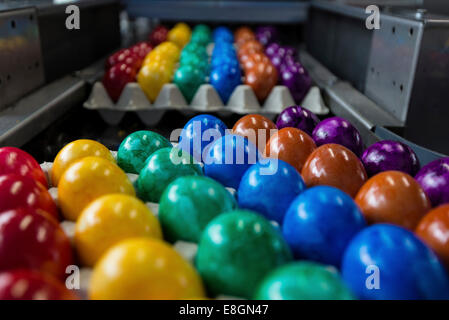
{"x":403,"y":67}
{"x":392,"y":63}
{"x":25,"y":119}
{"x":221,"y":11}
{"x":21,"y":67}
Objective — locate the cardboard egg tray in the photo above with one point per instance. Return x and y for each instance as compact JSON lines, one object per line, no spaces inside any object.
{"x":187,"y":250}
{"x":242,"y":101}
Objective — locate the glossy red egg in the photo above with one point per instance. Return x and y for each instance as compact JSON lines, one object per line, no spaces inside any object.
{"x":116,"y":78}
{"x":14,"y":160}
{"x":158,"y":35}
{"x":31,"y":241}
{"x":393,"y":197}
{"x":290,"y":145}
{"x":336,"y":166}
{"x":18,"y":191}
{"x":141,"y":49}
{"x":32,"y":285}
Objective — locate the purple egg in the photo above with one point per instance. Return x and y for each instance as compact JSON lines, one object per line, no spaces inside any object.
{"x":434,"y":179}
{"x":298,"y":117}
{"x":286,"y":51}
{"x":267,"y":35}
{"x":272,"y":49}
{"x":340,"y":131}
{"x":390,"y":155}
{"x":296,"y":79}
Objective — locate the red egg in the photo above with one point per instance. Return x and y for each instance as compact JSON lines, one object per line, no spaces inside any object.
{"x":158,"y":35}
{"x":336,"y":166}
{"x":31,"y":241}
{"x":290,"y":145}
{"x":141,"y":49}
{"x":14,"y":160}
{"x":116,"y":78}
{"x":32,"y":285}
{"x":18,"y":191}
{"x":393,"y":197}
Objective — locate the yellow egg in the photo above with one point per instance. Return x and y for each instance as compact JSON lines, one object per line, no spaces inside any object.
{"x":179,"y":36}
{"x":74,"y":151}
{"x":109,"y":220}
{"x":86,"y":180}
{"x":152,"y":78}
{"x":144,"y":269}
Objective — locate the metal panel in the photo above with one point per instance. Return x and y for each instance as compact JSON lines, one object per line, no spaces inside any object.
{"x":21,"y":68}
{"x":221,"y":11}
{"x":392,"y":63}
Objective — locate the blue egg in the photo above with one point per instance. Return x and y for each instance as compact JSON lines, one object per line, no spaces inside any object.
{"x":228,"y":158}
{"x":221,"y":60}
{"x":389,"y":262}
{"x":199,"y":132}
{"x":320,"y":223}
{"x":223,"y":34}
{"x":225,"y":79}
{"x":269,"y":187}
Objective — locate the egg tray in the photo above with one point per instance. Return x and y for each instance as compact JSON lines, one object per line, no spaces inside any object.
{"x":206,"y":100}
{"x":187,"y":250}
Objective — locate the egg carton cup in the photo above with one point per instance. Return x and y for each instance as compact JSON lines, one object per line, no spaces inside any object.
{"x":242,"y":101}
{"x":187,"y":250}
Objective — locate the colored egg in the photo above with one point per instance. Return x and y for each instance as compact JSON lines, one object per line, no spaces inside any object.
{"x":225,"y":79}
{"x":290,"y":145}
{"x":31,"y":241}
{"x":433,"y":229}
{"x":188,"y":79}
{"x":224,"y":34}
{"x":256,"y":128}
{"x":169,"y":50}
{"x":336,"y":166}
{"x":320,"y":223}
{"x":161,"y":168}
{"x":144,"y":269}
{"x":179,"y":36}
{"x":116,"y":78}
{"x":269,"y":187}
{"x":137,"y":147}
{"x":297,"y":117}
{"x":389,"y":155}
{"x":110,"y":219}
{"x":386,"y":262}
{"x":243,"y":34}
{"x":189,"y":204}
{"x":158,"y":35}
{"x":267,"y":34}
{"x":303,"y":280}
{"x":228,"y":158}
{"x":22,"y":191}
{"x":32,"y":285}
{"x":152,"y":78}
{"x":434,"y":179}
{"x":262,"y":79}
{"x":393,"y":197}
{"x":87,"y":179}
{"x":296,"y":79}
{"x":200,"y":132}
{"x":14,"y":160}
{"x":237,"y":250}
{"x":74,"y":151}
{"x":340,"y":131}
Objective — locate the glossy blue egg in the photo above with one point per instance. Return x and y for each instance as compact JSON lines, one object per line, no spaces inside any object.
{"x":389,"y":262}
{"x":320,"y":223}
{"x":222,"y":33}
{"x":269,"y":187}
{"x":199,"y":132}
{"x":228,"y":158}
{"x":225,"y":79}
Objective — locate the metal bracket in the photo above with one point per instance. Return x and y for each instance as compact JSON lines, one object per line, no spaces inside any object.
{"x":21,"y":69}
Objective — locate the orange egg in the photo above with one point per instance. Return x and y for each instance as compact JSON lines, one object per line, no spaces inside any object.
{"x":290,"y":145}
{"x":336,"y":166}
{"x":393,"y":197}
{"x":256,"y":128}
